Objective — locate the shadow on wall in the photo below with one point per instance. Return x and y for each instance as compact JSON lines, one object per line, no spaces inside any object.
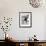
{"x":45,"y":27}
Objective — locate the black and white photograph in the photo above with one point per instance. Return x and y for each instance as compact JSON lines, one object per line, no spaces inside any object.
{"x":25,"y":19}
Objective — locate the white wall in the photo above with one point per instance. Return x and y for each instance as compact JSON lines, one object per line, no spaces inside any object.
{"x":11,"y":8}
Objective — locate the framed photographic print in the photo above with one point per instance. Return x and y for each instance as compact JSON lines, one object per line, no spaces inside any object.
{"x":25,"y":19}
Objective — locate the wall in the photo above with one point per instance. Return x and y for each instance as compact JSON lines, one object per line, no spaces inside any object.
{"x":11,"y":8}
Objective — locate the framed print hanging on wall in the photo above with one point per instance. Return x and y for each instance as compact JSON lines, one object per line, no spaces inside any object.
{"x":25,"y":19}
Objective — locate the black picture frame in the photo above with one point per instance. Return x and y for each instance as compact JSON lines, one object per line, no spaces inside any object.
{"x":25,"y":19}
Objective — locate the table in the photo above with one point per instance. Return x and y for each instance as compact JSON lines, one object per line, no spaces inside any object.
{"x":27,"y":42}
